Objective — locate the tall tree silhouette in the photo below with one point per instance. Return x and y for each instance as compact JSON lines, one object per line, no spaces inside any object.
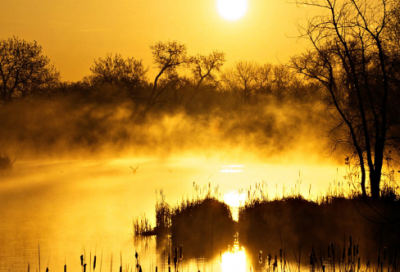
{"x":241,"y":79}
{"x":119,"y":71}
{"x":351,"y":59}
{"x":23,"y":69}
{"x":204,"y":67}
{"x":167,"y":56}
{"x":264,"y":78}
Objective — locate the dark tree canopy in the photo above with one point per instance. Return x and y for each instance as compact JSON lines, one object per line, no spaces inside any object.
{"x":251,"y":80}
{"x":23,"y":69}
{"x":119,"y":71}
{"x":167,"y":56}
{"x":203,"y":67}
{"x":242,"y":79}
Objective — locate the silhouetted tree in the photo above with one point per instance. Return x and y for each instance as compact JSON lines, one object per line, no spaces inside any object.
{"x":241,"y":79}
{"x":351,"y":59}
{"x":23,"y":69}
{"x":281,"y":81}
{"x":250,"y":79}
{"x":81,"y":88}
{"x":119,"y":71}
{"x":173,"y":88}
{"x":167,"y":56}
{"x":203,"y":68}
{"x":393,"y":39}
{"x":264,"y":78}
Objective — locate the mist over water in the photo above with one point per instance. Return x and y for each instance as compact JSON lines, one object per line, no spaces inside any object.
{"x":69,"y":206}
{"x":85,"y":169}
{"x":109,"y":127}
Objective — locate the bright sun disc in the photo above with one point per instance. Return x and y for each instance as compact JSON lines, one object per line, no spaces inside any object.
{"x":232,"y":9}
{"x":234,"y":199}
{"x":234,"y":261}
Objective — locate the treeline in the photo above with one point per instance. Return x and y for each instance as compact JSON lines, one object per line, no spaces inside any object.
{"x":190,"y":82}
{"x":193,"y":103}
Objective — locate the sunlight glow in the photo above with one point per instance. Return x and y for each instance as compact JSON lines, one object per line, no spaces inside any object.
{"x":234,"y":261}
{"x":232,"y":169}
{"x":234,"y":198}
{"x":232,"y":9}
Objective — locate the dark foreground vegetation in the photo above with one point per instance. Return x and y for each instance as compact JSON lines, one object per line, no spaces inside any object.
{"x":341,"y":231}
{"x":297,"y":227}
{"x":204,"y":226}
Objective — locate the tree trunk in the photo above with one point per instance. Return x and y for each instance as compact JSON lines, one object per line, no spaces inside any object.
{"x":375,"y":179}
{"x":363,"y":177}
{"x":4,"y":97}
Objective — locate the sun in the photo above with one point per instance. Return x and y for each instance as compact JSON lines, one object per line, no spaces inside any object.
{"x":234,"y":261}
{"x":232,"y":9}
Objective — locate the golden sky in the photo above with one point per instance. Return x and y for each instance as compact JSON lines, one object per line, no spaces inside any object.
{"x":75,"y":32}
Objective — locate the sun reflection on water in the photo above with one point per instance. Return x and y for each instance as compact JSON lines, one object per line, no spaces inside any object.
{"x":234,"y":199}
{"x":234,"y":260}
{"x":232,"y":169}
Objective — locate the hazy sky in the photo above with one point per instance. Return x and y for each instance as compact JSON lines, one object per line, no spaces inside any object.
{"x":75,"y":32}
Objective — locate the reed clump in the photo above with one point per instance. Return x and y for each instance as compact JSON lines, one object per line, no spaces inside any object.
{"x":204,"y":227}
{"x":293,"y":222}
{"x":6,"y":162}
{"x":142,"y":226}
{"x":163,"y":216}
{"x":203,"y":224}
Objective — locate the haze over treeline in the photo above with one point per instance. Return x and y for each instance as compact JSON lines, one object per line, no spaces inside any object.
{"x":110,"y":112}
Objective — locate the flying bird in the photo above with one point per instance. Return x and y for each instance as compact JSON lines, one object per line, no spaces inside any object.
{"x":134,"y":169}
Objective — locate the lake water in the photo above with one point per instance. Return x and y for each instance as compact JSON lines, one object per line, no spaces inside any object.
{"x":86,"y":207}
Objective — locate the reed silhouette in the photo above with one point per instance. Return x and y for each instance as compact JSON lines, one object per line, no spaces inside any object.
{"x":204,"y":227}
{"x":296,"y":225}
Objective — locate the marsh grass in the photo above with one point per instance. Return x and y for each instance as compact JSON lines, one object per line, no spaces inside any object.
{"x":292,"y":223}
{"x":337,"y":233}
{"x":142,"y":226}
{"x":283,"y":227}
{"x":203,"y":224}
{"x":204,"y":227}
{"x":165,"y":213}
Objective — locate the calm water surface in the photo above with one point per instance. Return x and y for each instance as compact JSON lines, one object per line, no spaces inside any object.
{"x":70,"y":208}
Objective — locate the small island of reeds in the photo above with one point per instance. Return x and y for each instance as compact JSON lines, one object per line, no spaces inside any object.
{"x":342,"y":230}
{"x":200,"y":225}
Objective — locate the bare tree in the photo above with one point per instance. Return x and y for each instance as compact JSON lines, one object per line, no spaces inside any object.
{"x":167,"y":56}
{"x":203,"y":68}
{"x":281,"y":81}
{"x":119,"y":71}
{"x":251,"y":79}
{"x":23,"y":69}
{"x":264,"y":78}
{"x":241,"y":79}
{"x":350,"y":59}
